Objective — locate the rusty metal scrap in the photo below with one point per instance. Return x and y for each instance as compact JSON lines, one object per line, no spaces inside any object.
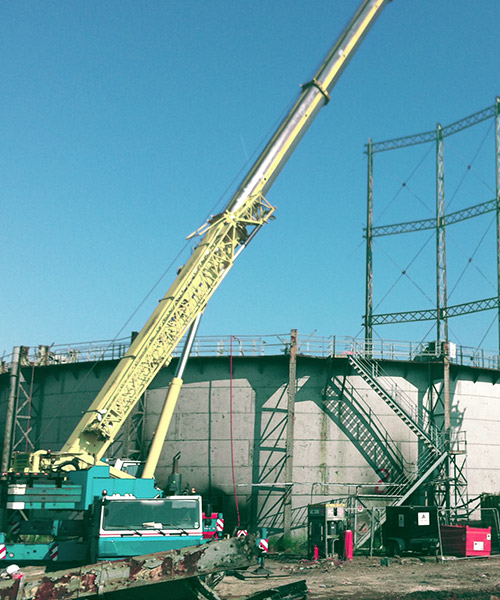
{"x":291,"y":591}
{"x":140,"y":573}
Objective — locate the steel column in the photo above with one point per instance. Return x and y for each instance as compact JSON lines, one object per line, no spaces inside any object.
{"x":442,"y":294}
{"x":497,"y":180}
{"x":11,"y":408}
{"x":441,"y":291}
{"x":292,"y":384}
{"x":369,"y":254}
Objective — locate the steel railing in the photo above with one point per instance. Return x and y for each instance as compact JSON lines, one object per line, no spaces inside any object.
{"x":375,"y":373}
{"x":263,"y":345}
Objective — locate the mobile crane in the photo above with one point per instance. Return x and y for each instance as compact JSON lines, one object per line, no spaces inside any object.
{"x":71,"y":505}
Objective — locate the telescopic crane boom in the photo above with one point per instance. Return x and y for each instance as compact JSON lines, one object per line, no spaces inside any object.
{"x":222,"y":238}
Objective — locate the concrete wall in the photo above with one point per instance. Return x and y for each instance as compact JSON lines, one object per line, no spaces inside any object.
{"x":477,"y":410}
{"x":326,"y":462}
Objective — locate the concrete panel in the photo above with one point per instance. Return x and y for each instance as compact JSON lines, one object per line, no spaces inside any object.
{"x":329,"y":452}
{"x":482,"y":480}
{"x":477,"y":407}
{"x":191,"y":477}
{"x":151,"y":423}
{"x":62,"y":425}
{"x":269,"y":463}
{"x":408,"y":449}
{"x":312,"y":423}
{"x":192,"y":427}
{"x":243,"y":397}
{"x":222,"y":478}
{"x":193,"y":398}
{"x":56,"y":405}
{"x":481,"y":431}
{"x":220,"y":453}
{"x":478,"y":389}
{"x":306,"y":476}
{"x":271,"y":426}
{"x":483,"y":455}
{"x":272,"y":398}
{"x":217,"y":426}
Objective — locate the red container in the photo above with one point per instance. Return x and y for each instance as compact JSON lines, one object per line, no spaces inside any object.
{"x":348,"y":545}
{"x":462,"y":540}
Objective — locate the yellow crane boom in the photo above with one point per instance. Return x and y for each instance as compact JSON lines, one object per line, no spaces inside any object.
{"x":222,"y":237}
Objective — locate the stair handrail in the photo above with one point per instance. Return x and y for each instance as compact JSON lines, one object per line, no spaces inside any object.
{"x":378,"y":437}
{"x":375,"y":423}
{"x":411,"y":471}
{"x":424,"y":462}
{"x":373,"y":370}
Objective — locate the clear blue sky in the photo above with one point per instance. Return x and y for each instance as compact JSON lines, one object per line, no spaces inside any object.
{"x":124,"y":123}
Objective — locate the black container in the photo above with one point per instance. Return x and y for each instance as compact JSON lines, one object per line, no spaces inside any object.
{"x":411,"y":528}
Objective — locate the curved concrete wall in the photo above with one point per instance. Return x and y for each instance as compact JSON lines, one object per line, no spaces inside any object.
{"x":327,"y":460}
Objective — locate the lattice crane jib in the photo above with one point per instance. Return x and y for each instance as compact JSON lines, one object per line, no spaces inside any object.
{"x":222,"y":238}
{"x":153,"y":347}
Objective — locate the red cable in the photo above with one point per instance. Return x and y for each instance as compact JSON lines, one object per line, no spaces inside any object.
{"x":231,"y":427}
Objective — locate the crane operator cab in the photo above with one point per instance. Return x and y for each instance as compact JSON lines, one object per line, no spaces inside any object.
{"x":132,"y":526}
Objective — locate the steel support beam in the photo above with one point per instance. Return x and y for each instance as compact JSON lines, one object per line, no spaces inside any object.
{"x":441,"y":287}
{"x":497,"y":182}
{"x":425,"y":224}
{"x":147,"y":575}
{"x":455,"y":310}
{"x":290,"y":426}
{"x":369,"y":254}
{"x":11,"y":408}
{"x":442,"y":311}
{"x":430,"y":136}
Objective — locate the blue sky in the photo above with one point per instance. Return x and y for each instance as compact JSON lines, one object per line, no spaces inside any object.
{"x":125,"y":123}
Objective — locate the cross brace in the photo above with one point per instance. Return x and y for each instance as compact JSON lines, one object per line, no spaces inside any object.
{"x":424,"y":224}
{"x":430,"y":136}
{"x":431,"y":314}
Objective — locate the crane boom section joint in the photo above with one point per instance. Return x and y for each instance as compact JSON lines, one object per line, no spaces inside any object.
{"x":317,"y":84}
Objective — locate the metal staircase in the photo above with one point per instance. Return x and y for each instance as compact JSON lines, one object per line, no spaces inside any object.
{"x":417,"y":420}
{"x":354,"y":416}
{"x":433,"y":449}
{"x":400,"y":492}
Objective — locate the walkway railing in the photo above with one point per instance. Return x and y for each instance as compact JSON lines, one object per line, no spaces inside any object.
{"x":263,"y":345}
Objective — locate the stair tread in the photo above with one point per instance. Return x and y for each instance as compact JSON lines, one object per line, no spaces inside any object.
{"x":414,"y":426}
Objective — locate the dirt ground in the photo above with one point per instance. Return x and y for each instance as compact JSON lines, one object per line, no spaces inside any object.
{"x":367,"y":578}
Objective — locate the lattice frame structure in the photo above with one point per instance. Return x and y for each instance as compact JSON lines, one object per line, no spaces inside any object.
{"x":22,"y":414}
{"x":450,"y":483}
{"x":441,"y":312}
